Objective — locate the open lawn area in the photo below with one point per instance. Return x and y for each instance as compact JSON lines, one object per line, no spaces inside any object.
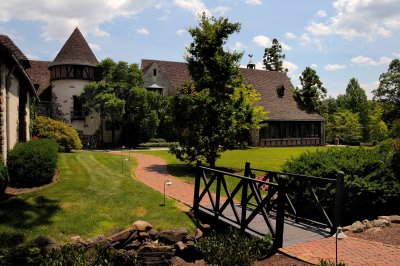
{"x":234,"y":160}
{"x":93,"y":196}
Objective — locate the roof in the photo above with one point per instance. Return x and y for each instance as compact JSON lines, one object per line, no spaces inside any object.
{"x":283,"y":108}
{"x":76,"y":51}
{"x":9,"y":45}
{"x":40,"y":74}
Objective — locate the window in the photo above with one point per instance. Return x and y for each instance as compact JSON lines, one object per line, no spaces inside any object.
{"x":154,"y":72}
{"x":77,"y":112}
{"x":78,"y":72}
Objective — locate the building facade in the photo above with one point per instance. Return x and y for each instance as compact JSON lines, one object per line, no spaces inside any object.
{"x":16,"y":95}
{"x":287,"y":124}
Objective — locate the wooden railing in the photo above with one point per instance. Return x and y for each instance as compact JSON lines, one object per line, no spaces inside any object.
{"x":338,"y":181}
{"x":248,"y":189}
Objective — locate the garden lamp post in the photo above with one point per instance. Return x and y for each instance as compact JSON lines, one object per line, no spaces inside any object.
{"x":339,"y":235}
{"x":166,"y":183}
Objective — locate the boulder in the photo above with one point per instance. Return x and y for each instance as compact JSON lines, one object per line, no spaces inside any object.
{"x":99,"y":240}
{"x":381,"y":223}
{"x":144,"y":235}
{"x":346,"y":228}
{"x":121,"y":236}
{"x":374,"y":230}
{"x":45,"y":243}
{"x":198,"y":234}
{"x":153,"y":234}
{"x":395,"y":219}
{"x":173,"y":236}
{"x":357,"y":227}
{"x":152,"y":254}
{"x":179,"y":245}
{"x":384,"y":217}
{"x":367,"y":224}
{"x":133,"y":245}
{"x":142,"y":226}
{"x":78,"y":240}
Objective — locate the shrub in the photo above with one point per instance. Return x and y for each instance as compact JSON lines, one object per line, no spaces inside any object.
{"x":64,"y":135}
{"x":157,"y":144}
{"x":371,"y":188}
{"x":3,"y":177}
{"x":32,"y":163}
{"x":233,"y":248}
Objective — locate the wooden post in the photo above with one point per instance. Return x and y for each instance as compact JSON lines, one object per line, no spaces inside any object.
{"x":218,"y":195}
{"x":247,"y":170}
{"x":338,"y":200}
{"x":280,"y":212}
{"x":196,"y":196}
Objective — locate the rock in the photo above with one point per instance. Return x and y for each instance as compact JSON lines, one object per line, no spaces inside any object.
{"x":44,"y":243}
{"x":133,"y":245}
{"x":198,"y":234}
{"x":357,"y":227}
{"x":180,"y":245}
{"x":126,"y":257}
{"x":78,"y":240}
{"x":141,"y":226}
{"x":173,"y":236}
{"x":205,"y":226}
{"x":190,"y":244}
{"x":144,"y":235}
{"x":151,"y":254}
{"x":153,"y":234}
{"x":367,"y":224}
{"x":132,"y":237}
{"x":374,"y":230}
{"x":395,"y":219}
{"x":121,"y":236}
{"x":387,"y":218}
{"x":381,"y":223}
{"x":177,"y":261}
{"x":346,"y":228}
{"x":99,"y":240}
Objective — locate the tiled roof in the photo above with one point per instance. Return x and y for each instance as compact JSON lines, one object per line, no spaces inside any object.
{"x":265,"y":82}
{"x":75,"y":51}
{"x":9,"y":45}
{"x":39,"y":74}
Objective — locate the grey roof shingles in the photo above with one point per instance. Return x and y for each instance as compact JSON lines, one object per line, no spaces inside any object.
{"x":76,"y":51}
{"x":265,"y":82}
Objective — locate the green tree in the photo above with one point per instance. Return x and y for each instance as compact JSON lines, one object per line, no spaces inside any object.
{"x":388,"y":92}
{"x":115,"y":83}
{"x":312,"y":91}
{"x":273,"y":56}
{"x":378,"y":130}
{"x":344,"y":126}
{"x":213,"y":111}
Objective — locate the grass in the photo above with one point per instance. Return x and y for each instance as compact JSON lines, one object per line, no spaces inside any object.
{"x":92,"y":197}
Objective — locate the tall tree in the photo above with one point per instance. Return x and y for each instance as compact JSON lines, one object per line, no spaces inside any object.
{"x":312,"y":91}
{"x":216,"y":108}
{"x":344,"y":126}
{"x":388,"y":92}
{"x":273,"y":56}
{"x":378,"y":130}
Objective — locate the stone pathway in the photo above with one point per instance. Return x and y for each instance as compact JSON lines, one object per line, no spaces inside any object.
{"x":152,"y":171}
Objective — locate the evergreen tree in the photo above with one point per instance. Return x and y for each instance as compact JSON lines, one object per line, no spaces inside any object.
{"x":312,"y":91}
{"x":273,"y":56}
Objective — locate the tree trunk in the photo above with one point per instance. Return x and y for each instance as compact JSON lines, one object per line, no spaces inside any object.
{"x":113,"y":133}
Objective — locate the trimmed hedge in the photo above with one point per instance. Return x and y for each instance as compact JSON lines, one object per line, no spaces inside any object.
{"x":3,"y":177}
{"x":32,"y":163}
{"x":66,"y":136}
{"x":371,"y":186}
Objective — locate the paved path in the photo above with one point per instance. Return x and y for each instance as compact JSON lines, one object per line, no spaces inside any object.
{"x":153,"y":172}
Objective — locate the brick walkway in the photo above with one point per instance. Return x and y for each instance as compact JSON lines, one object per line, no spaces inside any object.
{"x":153,"y":172}
{"x":352,"y":251}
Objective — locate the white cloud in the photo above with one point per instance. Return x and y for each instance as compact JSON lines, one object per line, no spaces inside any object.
{"x":262,"y":41}
{"x":285,"y":47}
{"x":314,"y":66}
{"x":321,"y":14}
{"x":220,"y":10}
{"x":197,"y":7}
{"x":237,"y":46}
{"x":292,"y":69}
{"x":254,"y":2}
{"x":369,"y":87}
{"x":334,"y":67}
{"x":143,"y":31}
{"x":290,"y":36}
{"x":94,"y":46}
{"x":181,"y":32}
{"x":305,"y":39}
{"x":59,"y":18}
{"x":360,"y":18}
{"x":367,"y":61}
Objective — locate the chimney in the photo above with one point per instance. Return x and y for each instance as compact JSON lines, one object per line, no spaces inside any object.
{"x":251,"y":65}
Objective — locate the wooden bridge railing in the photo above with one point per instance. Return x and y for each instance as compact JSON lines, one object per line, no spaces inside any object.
{"x":338,"y":182}
{"x":249,"y":189}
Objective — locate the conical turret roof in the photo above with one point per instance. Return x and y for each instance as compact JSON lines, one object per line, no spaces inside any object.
{"x":76,"y":51}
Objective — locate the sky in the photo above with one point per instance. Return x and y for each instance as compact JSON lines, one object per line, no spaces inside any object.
{"x":340,"y":39}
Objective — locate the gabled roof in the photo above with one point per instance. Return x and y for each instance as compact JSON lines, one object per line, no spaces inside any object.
{"x":76,"y":51}
{"x":283,"y":108}
{"x":40,"y":75}
{"x":9,"y":45}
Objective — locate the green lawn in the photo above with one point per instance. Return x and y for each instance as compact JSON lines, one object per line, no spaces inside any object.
{"x":264,"y":158}
{"x":92,"y":197}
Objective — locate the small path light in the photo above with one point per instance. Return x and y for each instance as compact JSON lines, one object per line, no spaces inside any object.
{"x":339,"y":235}
{"x":166,"y":183}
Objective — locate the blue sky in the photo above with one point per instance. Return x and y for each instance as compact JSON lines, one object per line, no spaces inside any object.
{"x":341,"y":39}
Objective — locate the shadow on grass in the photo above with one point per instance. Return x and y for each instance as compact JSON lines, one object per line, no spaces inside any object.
{"x":18,"y":214}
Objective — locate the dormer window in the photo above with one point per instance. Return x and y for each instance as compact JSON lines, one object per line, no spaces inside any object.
{"x":154,"y":72}
{"x":280,"y":91}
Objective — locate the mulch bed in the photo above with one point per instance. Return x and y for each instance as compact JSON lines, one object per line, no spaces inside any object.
{"x":387,"y":235}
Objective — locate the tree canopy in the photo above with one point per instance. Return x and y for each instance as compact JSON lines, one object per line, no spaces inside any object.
{"x":214,"y":111}
{"x":273,"y":56}
{"x":312,"y":91}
